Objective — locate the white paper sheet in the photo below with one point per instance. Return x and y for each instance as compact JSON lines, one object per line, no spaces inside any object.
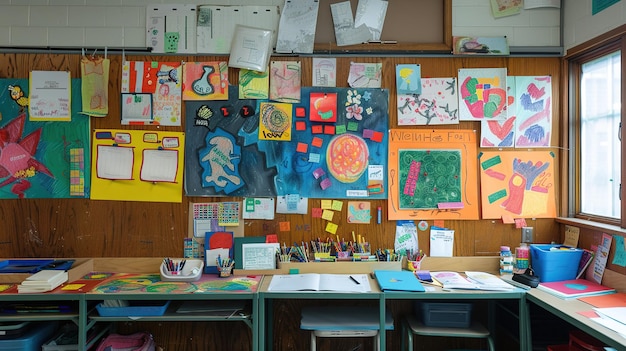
{"x":159,"y":165}
{"x":50,"y":96}
{"x":171,"y":28}
{"x":296,"y":30}
{"x":441,"y":242}
{"x":371,"y":13}
{"x":114,"y":162}
{"x":343,"y":23}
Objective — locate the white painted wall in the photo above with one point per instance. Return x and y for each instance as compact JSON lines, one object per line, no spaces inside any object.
{"x":580,"y":26}
{"x":121,"y":23}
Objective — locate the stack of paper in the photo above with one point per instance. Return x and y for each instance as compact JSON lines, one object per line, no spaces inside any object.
{"x":474,"y":281}
{"x":575,"y":288}
{"x":43,"y":281}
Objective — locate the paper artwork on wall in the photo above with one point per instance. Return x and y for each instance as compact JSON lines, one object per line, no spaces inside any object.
{"x":254,"y":84}
{"x":365,"y":75}
{"x":480,"y":46}
{"x":205,"y":80}
{"x":285,"y":81}
{"x":371,"y":13}
{"x":482,"y":93}
{"x":163,"y":81}
{"x":324,"y":72}
{"x":431,"y":173}
{"x":518,"y":184}
{"x":296,"y":29}
{"x":533,"y":101}
{"x":42,"y":159}
{"x":95,"y":85}
{"x":438,"y":103}
{"x":408,"y":78}
{"x":171,"y":28}
{"x":501,"y":133}
{"x":250,"y":48}
{"x":50,"y":96}
{"x":137,"y":165}
{"x":346,"y":33}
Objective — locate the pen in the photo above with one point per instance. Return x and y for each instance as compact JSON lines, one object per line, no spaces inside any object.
{"x":354,"y":280}
{"x":380,"y":215}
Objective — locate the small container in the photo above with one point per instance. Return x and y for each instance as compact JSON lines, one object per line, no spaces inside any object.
{"x":191,"y":272}
{"x":522,"y":257}
{"x":506,"y":260}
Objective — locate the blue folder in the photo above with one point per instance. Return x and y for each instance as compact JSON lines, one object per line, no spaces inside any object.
{"x":398,"y":281}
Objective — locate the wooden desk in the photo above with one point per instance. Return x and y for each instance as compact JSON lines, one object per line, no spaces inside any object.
{"x":568,"y":310}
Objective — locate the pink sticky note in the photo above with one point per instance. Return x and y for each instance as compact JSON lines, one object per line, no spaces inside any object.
{"x":325,"y":184}
{"x":302,"y":147}
{"x":316,"y":212}
{"x":317,"y":142}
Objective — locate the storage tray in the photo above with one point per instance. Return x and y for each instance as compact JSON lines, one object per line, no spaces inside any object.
{"x":445,"y":314}
{"x":135,"y":309}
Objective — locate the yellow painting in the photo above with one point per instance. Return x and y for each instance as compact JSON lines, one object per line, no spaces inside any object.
{"x":518,"y":184}
{"x":137,"y":165}
{"x":275,"y":121}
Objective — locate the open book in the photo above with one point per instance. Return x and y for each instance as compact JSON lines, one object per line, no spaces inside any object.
{"x":472,"y":281}
{"x":320,"y":282}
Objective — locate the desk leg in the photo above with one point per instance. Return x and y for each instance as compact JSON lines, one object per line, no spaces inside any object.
{"x":382,"y":313}
{"x":255,"y":323}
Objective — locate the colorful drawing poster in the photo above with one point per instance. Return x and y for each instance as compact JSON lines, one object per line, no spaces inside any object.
{"x":253,"y":84}
{"x":163,"y":81}
{"x":518,"y":184}
{"x":137,"y":165}
{"x":432,"y":174}
{"x":285,"y":81}
{"x":533,"y":102}
{"x":226,"y":156}
{"x":438,"y":103}
{"x":408,"y":78}
{"x":324,"y":72}
{"x":323,"y":107}
{"x":205,"y":81}
{"x":482,"y":93}
{"x":42,"y":159}
{"x":275,"y":121}
{"x":365,"y":75}
{"x":501,"y":133}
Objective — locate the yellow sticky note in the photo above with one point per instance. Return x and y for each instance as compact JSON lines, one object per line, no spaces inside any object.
{"x":284,"y":226}
{"x":72,"y":287}
{"x":331,"y":228}
{"x":328,"y":215}
{"x":337,"y":205}
{"x":327,"y":204}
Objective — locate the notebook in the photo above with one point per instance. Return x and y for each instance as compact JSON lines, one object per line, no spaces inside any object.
{"x":398,"y":281}
{"x":575,"y":288}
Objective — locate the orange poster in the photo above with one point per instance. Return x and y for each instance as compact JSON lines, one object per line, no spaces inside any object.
{"x":432,"y":174}
{"x":518,"y":184}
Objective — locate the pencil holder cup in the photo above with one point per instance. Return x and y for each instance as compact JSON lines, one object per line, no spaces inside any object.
{"x":414,"y":265}
{"x":224,"y":272}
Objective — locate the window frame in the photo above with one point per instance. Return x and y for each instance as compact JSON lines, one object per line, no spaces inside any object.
{"x":606,"y":44}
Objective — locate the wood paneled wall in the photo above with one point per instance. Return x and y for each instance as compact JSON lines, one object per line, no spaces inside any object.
{"x":86,"y":228}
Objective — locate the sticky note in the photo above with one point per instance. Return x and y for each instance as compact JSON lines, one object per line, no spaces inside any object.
{"x":328,"y":215}
{"x":377,"y":137}
{"x":367,"y":133}
{"x":331,"y":228}
{"x":317,"y":142}
{"x":284,"y":226}
{"x":300,"y":125}
{"x":337,"y":205}
{"x":325,"y":184}
{"x":353,"y":126}
{"x":316,"y":212}
{"x":317,"y":129}
{"x":340,"y":129}
{"x":314,"y":158}
{"x":302,"y":147}
{"x":326,"y":204}
{"x":330,"y":130}
{"x":300,"y":112}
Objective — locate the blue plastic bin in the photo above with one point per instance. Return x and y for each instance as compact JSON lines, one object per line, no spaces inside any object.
{"x":553,"y":264}
{"x":31,"y":340}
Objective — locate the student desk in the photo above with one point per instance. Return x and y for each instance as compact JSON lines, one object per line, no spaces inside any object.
{"x":516,"y":296}
{"x":568,"y":310}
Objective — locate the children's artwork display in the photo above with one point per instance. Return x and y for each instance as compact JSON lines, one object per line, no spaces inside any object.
{"x":337,"y":147}
{"x":482,"y":93}
{"x":430,"y":172}
{"x":501,"y":133}
{"x":48,"y":159}
{"x":518,"y":184}
{"x":205,"y":81}
{"x":437,"y":103}
{"x":137,"y":165}
{"x":533,"y":101}
{"x":163,"y":81}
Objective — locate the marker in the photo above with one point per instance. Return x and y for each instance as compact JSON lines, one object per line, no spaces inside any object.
{"x":354,"y":280}
{"x":380,"y":215}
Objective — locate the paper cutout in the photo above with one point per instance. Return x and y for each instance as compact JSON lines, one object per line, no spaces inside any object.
{"x":436,"y":104}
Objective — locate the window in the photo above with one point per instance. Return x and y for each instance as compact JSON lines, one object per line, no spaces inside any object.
{"x":595,"y":135}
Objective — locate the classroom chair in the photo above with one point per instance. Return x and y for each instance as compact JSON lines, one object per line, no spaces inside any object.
{"x":413,"y":326}
{"x":343,"y":322}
